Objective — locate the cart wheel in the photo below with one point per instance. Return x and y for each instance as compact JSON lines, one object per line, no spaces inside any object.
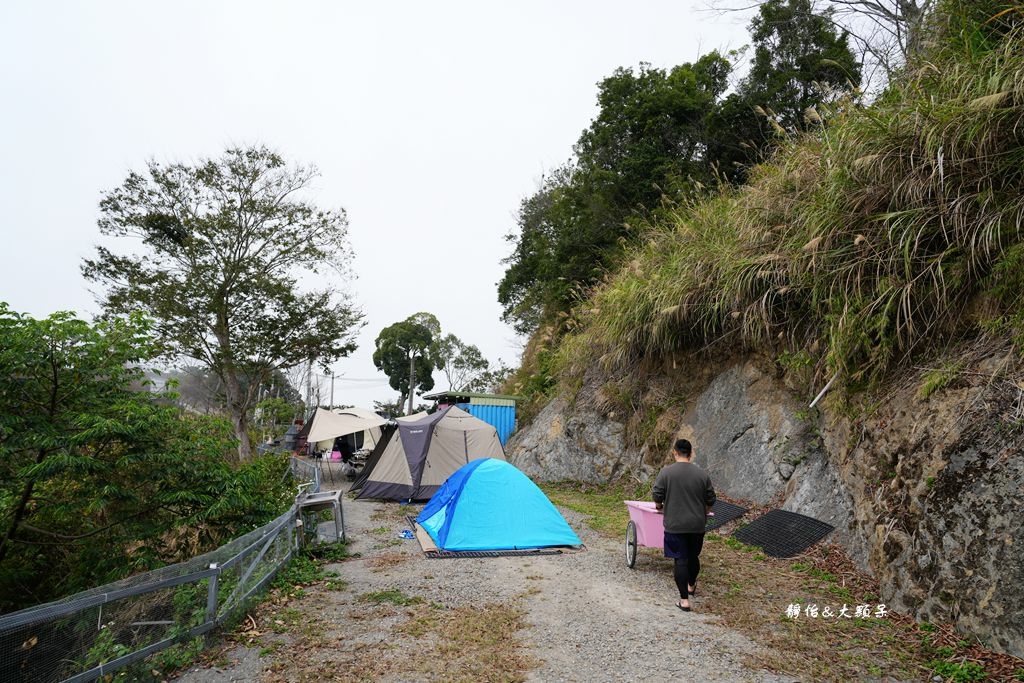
{"x":630,"y":544}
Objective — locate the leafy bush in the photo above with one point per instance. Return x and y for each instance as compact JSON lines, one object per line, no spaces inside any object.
{"x":100,"y":479}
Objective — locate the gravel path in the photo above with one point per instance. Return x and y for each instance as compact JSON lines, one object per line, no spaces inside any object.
{"x":591,"y":618}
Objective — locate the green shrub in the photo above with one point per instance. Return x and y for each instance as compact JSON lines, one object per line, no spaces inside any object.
{"x":960,"y":672}
{"x":109,"y":481}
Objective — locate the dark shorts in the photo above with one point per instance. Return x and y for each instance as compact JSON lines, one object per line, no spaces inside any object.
{"x":683,"y":545}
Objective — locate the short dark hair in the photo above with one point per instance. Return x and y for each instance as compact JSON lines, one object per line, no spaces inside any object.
{"x":683,"y":446}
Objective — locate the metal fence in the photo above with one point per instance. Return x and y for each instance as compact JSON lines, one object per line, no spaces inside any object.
{"x":102,"y":630}
{"x":308,"y":473}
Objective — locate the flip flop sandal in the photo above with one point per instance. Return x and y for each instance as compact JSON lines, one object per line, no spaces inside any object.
{"x":680,"y":606}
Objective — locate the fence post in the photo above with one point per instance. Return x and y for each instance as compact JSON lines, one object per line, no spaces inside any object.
{"x":300,"y":531}
{"x":291,"y":533}
{"x":211,"y":595}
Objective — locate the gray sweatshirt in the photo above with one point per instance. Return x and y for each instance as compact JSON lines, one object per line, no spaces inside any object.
{"x":686,"y":491}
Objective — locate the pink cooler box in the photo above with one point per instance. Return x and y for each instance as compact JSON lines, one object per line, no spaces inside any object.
{"x":650,"y":524}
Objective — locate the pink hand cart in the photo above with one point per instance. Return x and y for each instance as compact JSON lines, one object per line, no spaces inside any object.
{"x":646,"y":528}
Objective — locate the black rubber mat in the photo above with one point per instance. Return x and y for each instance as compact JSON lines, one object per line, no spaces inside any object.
{"x":781,"y":533}
{"x":724,"y":513}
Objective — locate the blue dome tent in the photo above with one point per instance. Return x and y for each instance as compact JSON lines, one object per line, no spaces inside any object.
{"x":488,"y":504}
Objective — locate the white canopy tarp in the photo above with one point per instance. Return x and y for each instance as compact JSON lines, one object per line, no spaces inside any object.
{"x":359,"y":412}
{"x":329,"y":425}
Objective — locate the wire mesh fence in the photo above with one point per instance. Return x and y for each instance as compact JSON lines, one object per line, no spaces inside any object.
{"x":96,"y":632}
{"x":306,"y":473}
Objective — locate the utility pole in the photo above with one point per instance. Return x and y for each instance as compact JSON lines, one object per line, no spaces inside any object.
{"x":309,"y":385}
{"x":332,"y":389}
{"x":412,"y":378}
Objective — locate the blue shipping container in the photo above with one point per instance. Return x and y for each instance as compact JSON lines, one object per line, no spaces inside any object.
{"x":502,"y":417}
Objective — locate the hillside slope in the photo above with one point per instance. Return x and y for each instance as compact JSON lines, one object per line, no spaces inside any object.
{"x":883,"y":257}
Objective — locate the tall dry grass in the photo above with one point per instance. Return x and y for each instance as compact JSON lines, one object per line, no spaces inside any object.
{"x":865,"y":243}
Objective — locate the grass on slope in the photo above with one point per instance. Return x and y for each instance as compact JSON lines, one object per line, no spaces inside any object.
{"x":892,"y":229}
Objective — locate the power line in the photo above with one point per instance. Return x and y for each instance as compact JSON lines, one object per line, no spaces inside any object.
{"x":376,"y":380}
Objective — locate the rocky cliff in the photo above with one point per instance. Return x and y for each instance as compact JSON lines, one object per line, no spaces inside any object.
{"x":923,"y":481}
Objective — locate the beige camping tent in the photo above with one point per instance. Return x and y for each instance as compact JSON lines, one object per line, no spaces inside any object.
{"x":426,"y":450}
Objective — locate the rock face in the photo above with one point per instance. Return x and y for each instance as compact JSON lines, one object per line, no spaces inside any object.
{"x":939,"y":485}
{"x":582,"y":445}
{"x":924,"y":493}
{"x":758,"y":443}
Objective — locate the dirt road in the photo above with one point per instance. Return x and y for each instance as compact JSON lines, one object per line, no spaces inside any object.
{"x":393,"y":615}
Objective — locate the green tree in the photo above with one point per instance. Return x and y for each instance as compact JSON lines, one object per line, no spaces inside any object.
{"x":800,"y":61}
{"x":403,"y":354}
{"x":492,"y":380}
{"x":665,"y":134}
{"x":738,"y":137}
{"x":648,"y":140}
{"x":461,"y":363}
{"x":48,"y":420}
{"x":531,"y":284}
{"x":649,"y":133}
{"x":222,"y":244}
{"x":388,"y":409}
{"x":885,"y":34}
{"x":96,"y":475}
{"x":273,"y":412}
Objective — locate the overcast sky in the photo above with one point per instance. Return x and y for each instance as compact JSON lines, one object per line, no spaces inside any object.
{"x":428,"y":121}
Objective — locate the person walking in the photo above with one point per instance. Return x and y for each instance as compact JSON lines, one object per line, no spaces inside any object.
{"x":684,"y":494}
